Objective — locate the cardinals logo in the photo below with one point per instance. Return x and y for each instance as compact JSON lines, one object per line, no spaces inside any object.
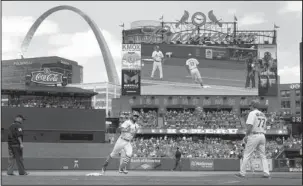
{"x":183,"y":19}
{"x":213,"y":18}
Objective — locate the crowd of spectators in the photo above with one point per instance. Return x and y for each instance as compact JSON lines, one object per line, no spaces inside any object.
{"x":206,"y":148}
{"x":199,"y":119}
{"x":48,"y":102}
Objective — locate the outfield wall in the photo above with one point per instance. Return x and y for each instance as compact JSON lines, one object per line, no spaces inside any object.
{"x":157,"y":164}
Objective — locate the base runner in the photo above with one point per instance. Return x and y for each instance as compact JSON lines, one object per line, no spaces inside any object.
{"x":255,"y":139}
{"x":192,"y":67}
{"x":128,"y":132}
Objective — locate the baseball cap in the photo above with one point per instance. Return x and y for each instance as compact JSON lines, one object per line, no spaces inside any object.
{"x":135,"y":113}
{"x":255,"y":103}
{"x":20,"y":116}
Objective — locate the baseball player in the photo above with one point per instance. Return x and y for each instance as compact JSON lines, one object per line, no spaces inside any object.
{"x":255,"y":139}
{"x":191,"y":66}
{"x":128,"y":132}
{"x":157,"y":57}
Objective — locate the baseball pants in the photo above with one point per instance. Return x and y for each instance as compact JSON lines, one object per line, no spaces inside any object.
{"x":15,"y":157}
{"x":177,"y":164}
{"x":255,"y":142}
{"x":157,"y":65}
{"x":122,"y":144}
{"x":250,"y":77}
{"x":195,"y":74}
{"x":122,"y":156}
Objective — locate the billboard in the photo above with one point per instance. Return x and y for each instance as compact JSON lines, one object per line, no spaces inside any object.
{"x":181,"y":69}
{"x":15,"y":71}
{"x":131,"y":82}
{"x":268,"y":73}
{"x":131,"y":56}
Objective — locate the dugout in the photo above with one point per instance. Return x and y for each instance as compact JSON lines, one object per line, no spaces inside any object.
{"x":57,"y":123}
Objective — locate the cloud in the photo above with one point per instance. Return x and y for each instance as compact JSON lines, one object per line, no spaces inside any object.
{"x":83,"y":48}
{"x":83,"y":44}
{"x":19,"y":25}
{"x":252,"y":19}
{"x":14,"y":29}
{"x":292,"y":6}
{"x":289,"y":74}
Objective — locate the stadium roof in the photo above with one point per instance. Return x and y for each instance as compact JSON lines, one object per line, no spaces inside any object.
{"x":47,"y":90}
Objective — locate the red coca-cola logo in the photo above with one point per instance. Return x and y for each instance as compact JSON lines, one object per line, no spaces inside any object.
{"x":47,"y":77}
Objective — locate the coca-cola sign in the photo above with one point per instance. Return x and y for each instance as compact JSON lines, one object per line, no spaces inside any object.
{"x":47,"y":77}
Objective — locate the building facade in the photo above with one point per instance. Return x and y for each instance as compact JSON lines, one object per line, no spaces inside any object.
{"x":106,"y":92}
{"x":290,"y":98}
{"x":14,"y":71}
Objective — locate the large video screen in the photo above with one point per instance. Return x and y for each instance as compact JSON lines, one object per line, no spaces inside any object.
{"x":198,"y":70}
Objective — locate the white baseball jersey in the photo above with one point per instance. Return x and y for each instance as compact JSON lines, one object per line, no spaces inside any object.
{"x":133,"y":127}
{"x":192,"y":63}
{"x":258,"y":120}
{"x":157,"y":56}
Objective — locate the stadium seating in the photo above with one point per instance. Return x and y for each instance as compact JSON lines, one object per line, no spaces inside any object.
{"x":193,"y":119}
{"x":207,"y":148}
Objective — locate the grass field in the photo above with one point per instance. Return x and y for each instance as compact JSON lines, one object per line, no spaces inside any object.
{"x":150,"y":178}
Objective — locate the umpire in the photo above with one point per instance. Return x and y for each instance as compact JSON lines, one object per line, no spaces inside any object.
{"x":178,"y":159}
{"x":15,"y":146}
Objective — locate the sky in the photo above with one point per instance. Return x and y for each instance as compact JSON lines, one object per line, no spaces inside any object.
{"x":66,"y":34}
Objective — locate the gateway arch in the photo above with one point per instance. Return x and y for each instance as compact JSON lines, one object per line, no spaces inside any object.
{"x":107,"y":57}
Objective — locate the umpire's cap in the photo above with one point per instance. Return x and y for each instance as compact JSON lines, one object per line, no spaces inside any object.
{"x":255,"y":104}
{"x":20,"y":116}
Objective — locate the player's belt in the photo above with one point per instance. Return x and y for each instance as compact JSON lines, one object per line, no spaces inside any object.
{"x":193,"y":68}
{"x":125,"y":139}
{"x":258,"y":133}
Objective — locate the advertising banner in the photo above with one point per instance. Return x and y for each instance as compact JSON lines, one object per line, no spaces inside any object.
{"x":257,"y":164}
{"x":131,"y":56}
{"x":208,"y":53}
{"x":144,"y":163}
{"x":216,"y":53}
{"x":298,"y":169}
{"x":206,"y":131}
{"x":226,"y":164}
{"x":201,"y":164}
{"x":131,"y":84}
{"x":268,"y":71}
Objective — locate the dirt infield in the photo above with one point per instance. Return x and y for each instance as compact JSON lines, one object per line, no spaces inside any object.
{"x":150,"y":178}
